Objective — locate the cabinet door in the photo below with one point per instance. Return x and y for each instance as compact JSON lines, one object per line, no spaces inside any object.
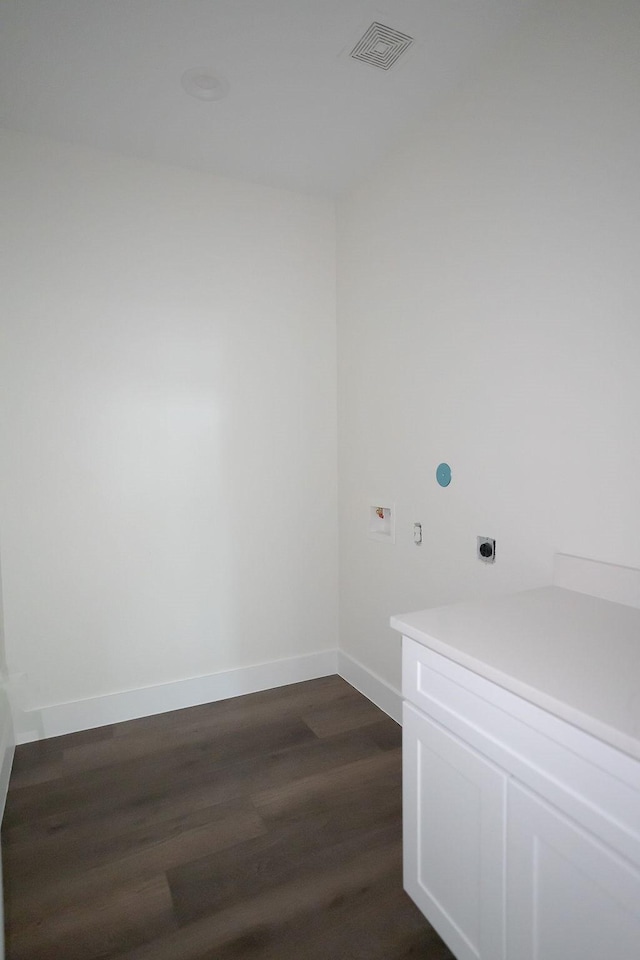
{"x":454,"y":808}
{"x":568,"y":895}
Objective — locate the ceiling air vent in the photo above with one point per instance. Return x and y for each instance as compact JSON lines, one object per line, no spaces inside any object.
{"x":381,"y":46}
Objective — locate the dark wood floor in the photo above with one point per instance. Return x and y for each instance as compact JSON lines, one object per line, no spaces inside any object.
{"x":266,"y":827}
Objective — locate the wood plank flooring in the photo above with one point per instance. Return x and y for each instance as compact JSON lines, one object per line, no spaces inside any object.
{"x":266,"y":827}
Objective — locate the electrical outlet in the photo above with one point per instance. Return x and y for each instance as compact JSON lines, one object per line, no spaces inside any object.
{"x":486,"y":550}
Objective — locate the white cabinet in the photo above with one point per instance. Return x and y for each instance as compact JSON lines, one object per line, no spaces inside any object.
{"x":454,"y":814}
{"x":568,"y":894}
{"x":521,"y":832}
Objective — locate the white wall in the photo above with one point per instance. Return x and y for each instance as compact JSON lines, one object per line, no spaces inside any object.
{"x":167,"y":379}
{"x":167,"y":382}
{"x":489,"y":316}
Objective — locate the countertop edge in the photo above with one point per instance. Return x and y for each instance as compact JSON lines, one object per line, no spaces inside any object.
{"x":577,"y":718}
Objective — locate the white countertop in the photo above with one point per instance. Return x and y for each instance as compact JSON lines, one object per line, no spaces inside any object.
{"x":575,"y":655}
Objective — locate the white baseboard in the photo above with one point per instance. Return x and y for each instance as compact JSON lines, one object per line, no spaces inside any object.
{"x":7,"y":749}
{"x":371,"y":685}
{"x":7,"y":746}
{"x":27,"y":724}
{"x":61,"y":718}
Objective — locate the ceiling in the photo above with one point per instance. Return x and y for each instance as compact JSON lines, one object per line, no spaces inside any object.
{"x":299,"y":113}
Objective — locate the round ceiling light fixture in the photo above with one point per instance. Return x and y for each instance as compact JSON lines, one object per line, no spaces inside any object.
{"x":204,"y":85}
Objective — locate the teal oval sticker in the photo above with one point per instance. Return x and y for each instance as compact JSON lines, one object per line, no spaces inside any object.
{"x":443,"y":474}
